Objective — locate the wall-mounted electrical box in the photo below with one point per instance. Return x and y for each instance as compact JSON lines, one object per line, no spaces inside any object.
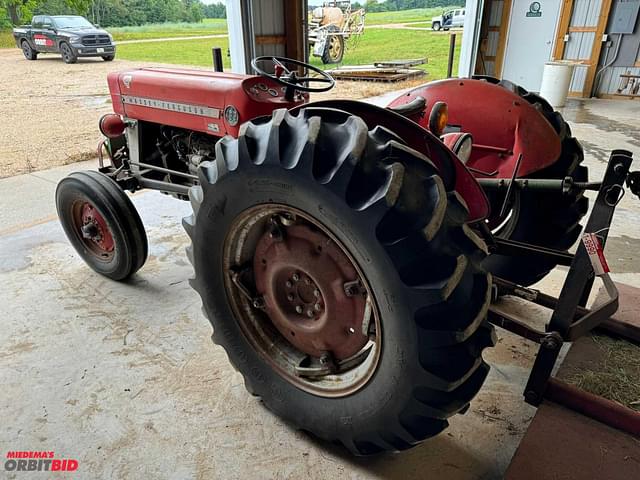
{"x":625,"y":15}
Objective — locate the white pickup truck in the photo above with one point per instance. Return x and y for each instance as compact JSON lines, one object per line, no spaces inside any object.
{"x":449,"y":19}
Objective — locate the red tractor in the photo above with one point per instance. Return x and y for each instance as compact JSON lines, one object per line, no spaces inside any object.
{"x":347,"y":255}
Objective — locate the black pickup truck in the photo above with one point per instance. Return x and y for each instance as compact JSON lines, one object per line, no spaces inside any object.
{"x":70,"y":35}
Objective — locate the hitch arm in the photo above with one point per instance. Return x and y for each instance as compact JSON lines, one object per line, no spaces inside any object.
{"x":579,"y":279}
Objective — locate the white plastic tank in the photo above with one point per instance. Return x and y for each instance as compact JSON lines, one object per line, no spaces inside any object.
{"x":556,"y":78}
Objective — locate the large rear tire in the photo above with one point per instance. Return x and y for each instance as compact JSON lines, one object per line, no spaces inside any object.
{"x":541,"y":218}
{"x":384,"y":206}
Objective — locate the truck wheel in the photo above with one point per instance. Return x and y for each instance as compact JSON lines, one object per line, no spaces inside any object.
{"x":436,"y":26}
{"x":546,"y":219}
{"x":102,"y":224}
{"x":340,"y":278}
{"x":334,"y":47}
{"x":68,"y":55}
{"x":29,"y":53}
{"x":108,"y":58}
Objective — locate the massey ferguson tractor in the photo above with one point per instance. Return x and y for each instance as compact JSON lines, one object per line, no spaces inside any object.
{"x":347,"y":255}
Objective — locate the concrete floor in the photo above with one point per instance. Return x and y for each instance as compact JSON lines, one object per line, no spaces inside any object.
{"x":124,"y":378}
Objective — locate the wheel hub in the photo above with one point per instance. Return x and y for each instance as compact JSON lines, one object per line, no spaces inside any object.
{"x":307,"y":286}
{"x":95,"y":229}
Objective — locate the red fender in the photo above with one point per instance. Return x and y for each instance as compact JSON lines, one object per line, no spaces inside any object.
{"x":503,"y":125}
{"x":452,"y":170}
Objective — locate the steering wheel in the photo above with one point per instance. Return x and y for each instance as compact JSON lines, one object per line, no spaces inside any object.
{"x":290,"y":79}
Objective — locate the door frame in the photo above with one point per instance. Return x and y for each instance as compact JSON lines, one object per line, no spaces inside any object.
{"x":564,"y":29}
{"x":501,"y":53}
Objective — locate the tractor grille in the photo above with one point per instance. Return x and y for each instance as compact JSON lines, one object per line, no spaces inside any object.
{"x":93,"y":40}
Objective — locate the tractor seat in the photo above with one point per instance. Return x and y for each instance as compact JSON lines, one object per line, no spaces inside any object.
{"x":414,"y":107}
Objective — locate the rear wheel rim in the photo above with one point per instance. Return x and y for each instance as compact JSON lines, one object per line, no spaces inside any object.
{"x":284,"y":272}
{"x":26,"y":49}
{"x":504,"y":225}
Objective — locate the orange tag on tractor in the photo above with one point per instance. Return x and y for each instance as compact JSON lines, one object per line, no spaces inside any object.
{"x":596,"y":253}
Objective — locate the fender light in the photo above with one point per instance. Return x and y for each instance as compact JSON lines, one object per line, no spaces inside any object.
{"x":438,"y":118}
{"x":111,"y":125}
{"x":459,"y":143}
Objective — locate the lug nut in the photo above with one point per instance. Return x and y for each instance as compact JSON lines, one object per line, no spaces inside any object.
{"x":299,"y":309}
{"x":307,"y":281}
{"x":317,"y":307}
{"x":288,"y":284}
{"x":296,"y":277}
{"x":310,"y":313}
{"x":316,"y":293}
{"x":290,"y":297}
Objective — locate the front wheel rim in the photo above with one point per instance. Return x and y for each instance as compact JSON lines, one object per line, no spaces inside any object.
{"x":92,"y":231}
{"x":286,"y":304}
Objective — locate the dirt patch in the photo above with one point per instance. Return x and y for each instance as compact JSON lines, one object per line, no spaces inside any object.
{"x":49,"y":110}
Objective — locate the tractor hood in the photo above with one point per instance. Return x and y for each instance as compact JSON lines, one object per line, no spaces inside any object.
{"x":210,"y":102}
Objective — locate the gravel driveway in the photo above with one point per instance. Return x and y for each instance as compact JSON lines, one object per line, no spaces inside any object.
{"x":49,"y":110}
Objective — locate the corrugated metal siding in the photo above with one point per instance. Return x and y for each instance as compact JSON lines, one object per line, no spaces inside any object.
{"x":578,"y":79}
{"x":492,"y":43}
{"x":268,"y":19}
{"x":610,"y":80}
{"x":495,"y":16}
{"x":585,"y":13}
{"x":579,"y":46}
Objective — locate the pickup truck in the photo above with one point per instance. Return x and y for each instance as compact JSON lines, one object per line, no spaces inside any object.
{"x":449,"y":19}
{"x":71,"y":36}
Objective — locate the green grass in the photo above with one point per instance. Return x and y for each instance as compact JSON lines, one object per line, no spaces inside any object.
{"x":185,"y":52}
{"x":6,"y":39}
{"x":403,"y":16}
{"x":378,"y":44}
{"x":374,"y":45}
{"x":214,"y":26}
{"x":210,"y":26}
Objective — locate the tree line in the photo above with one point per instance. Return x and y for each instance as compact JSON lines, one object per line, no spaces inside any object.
{"x":111,"y":13}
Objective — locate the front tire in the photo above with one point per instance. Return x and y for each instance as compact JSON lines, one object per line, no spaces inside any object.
{"x":385,"y":207}
{"x":436,"y":26}
{"x":102,"y":224}
{"x":67,"y":53}
{"x":28,"y":52}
